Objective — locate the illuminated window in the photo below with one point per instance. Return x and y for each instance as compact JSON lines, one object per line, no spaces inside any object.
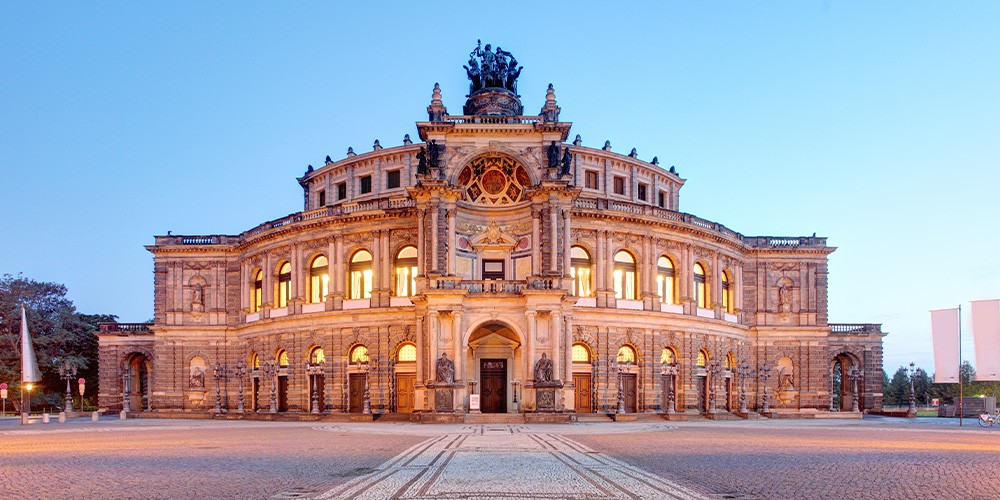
{"x":254,"y":361}
{"x":361,"y":275}
{"x":727,"y":293}
{"x":319,"y":280}
{"x":667,"y":356}
{"x":580,"y":270}
{"x":284,"y":290}
{"x":626,"y":354}
{"x":406,"y":272}
{"x":624,"y":276}
{"x":407,"y":353}
{"x":317,"y":356}
{"x":581,"y":354}
{"x":730,"y":362}
{"x":359,"y":354}
{"x":257,"y":293}
{"x":702,"y":358}
{"x":665,"y":280}
{"x":700,"y":288}
{"x":283,"y":359}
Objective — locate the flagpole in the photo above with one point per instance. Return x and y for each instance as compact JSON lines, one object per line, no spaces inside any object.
{"x":960,"y":393}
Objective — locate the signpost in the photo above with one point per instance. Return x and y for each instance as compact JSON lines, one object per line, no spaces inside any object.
{"x":3,"y":396}
{"x":83,"y":385}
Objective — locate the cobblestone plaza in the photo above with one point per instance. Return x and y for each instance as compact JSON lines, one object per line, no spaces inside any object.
{"x":152,"y":458}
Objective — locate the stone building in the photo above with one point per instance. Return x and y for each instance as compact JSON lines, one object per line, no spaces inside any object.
{"x":494,"y":267}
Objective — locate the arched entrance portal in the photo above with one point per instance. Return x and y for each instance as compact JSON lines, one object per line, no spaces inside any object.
{"x":841,"y":385}
{"x":494,"y":348}
{"x":136,"y":381}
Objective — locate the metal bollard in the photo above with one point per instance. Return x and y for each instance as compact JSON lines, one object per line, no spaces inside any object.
{"x":45,"y":418}
{"x":122,"y":415}
{"x":94,"y":417}
{"x":62,"y":417}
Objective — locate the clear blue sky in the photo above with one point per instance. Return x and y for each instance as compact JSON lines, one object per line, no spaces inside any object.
{"x":872,"y":123}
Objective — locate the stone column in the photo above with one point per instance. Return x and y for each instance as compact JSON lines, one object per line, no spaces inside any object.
{"x":529,"y":343}
{"x":434,"y":265}
{"x":267,"y":301}
{"x":332,"y":260}
{"x":244,"y":288}
{"x":554,"y":235}
{"x":568,"y":357}
{"x":567,"y":243}
{"x":421,"y":250}
{"x":299,"y":272}
{"x":458,"y":349}
{"x":376,"y":249}
{"x":536,"y":241}
{"x":555,"y":335}
{"x":433,"y":334}
{"x":451,"y":242}
{"x":341,"y":277}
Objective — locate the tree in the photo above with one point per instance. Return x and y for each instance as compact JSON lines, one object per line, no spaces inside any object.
{"x":59,"y":333}
{"x":899,"y":387}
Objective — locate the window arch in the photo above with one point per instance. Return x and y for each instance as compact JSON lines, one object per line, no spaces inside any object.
{"x":702,"y":359}
{"x":581,"y":353}
{"x":406,"y":272}
{"x":317,"y":356}
{"x":700,"y":289}
{"x":579,"y":262}
{"x":256,"y":294}
{"x":625,"y":276}
{"x":665,"y":279}
{"x":284,"y":285}
{"x":668,"y":356}
{"x":626,"y":354}
{"x":319,"y":279}
{"x":359,"y":355}
{"x":361,"y":275}
{"x":254,"y":361}
{"x":727,"y":292}
{"x":282,"y":359}
{"x":407,"y":353}
{"x":730,"y":362}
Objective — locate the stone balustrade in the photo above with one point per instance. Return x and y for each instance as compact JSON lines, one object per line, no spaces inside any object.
{"x":855,"y":328}
{"x":125,"y":328}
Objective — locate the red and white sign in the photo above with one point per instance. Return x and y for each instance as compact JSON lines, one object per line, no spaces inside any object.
{"x":83,"y":384}
{"x":3,"y":393}
{"x":935,"y":402}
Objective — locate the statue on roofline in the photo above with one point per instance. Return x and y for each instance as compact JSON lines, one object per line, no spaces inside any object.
{"x":490,"y":68}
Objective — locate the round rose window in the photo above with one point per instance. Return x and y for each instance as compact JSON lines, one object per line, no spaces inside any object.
{"x":493,"y":180}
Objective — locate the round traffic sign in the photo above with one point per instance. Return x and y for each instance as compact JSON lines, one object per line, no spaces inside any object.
{"x":3,"y":385}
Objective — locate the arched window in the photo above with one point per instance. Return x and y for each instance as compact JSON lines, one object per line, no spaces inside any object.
{"x":407,"y":353}
{"x":361,"y":275}
{"x":284,"y":290}
{"x":257,"y":294}
{"x":730,"y":362}
{"x":665,"y":280}
{"x":700,"y":288}
{"x":406,"y":272}
{"x":359,"y":355}
{"x":727,"y":293}
{"x":668,"y":356}
{"x":282,"y":359}
{"x":624,"y":276}
{"x":580,"y":270}
{"x":317,"y":356}
{"x":702,"y":358}
{"x":581,"y":353}
{"x":319,"y":279}
{"x":626,"y":354}
{"x":254,"y":361}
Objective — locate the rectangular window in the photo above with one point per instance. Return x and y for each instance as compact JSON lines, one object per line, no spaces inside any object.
{"x":322,"y":198}
{"x":342,"y":191}
{"x":641,"y":192}
{"x":365,"y":184}
{"x":661,"y":200}
{"x":619,"y":185}
{"x":392,"y":179}
{"x":590,"y":179}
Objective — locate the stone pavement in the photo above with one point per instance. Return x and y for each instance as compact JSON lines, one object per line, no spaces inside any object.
{"x":870,"y":458}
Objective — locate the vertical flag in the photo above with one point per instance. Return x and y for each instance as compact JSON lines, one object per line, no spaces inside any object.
{"x":29,"y":366}
{"x":986,"y":334}
{"x":945,"y":333}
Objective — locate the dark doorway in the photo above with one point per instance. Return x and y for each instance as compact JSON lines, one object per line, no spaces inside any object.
{"x":254,"y":394}
{"x":282,"y":393}
{"x":581,"y":398}
{"x":493,"y":270}
{"x":356,"y":393}
{"x":702,"y":394}
{"x":493,"y":381}
{"x":629,"y":386}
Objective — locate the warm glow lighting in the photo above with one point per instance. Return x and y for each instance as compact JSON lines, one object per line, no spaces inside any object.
{"x":29,"y":387}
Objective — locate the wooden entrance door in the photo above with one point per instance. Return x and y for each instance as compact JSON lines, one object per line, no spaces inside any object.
{"x":581,"y":398}
{"x":404,"y":392}
{"x":493,"y":270}
{"x":254,"y":394}
{"x":282,"y":393}
{"x":629,"y":386}
{"x":356,"y":393}
{"x":703,"y":394}
{"x":493,"y":381}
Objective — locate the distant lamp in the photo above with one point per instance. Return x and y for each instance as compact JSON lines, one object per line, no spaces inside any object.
{"x":29,"y":387}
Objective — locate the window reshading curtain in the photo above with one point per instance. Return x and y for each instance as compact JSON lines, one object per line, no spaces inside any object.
{"x":944,"y":331}
{"x":986,"y":335}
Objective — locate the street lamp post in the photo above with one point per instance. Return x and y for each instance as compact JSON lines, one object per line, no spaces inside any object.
{"x":669,"y":372}
{"x":240,"y":372}
{"x":392,"y":386}
{"x":855,"y":374}
{"x":714,"y":370}
{"x":367,"y":408}
{"x":219,"y":372}
{"x":314,"y":371}
{"x":621,"y":368}
{"x":270,"y":369}
{"x":744,"y":370}
{"x":912,"y":410}
{"x":763,"y":375}
{"x":67,"y":372}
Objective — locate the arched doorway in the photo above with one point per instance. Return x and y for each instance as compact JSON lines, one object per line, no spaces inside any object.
{"x":494,"y":347}
{"x":136,"y":381}
{"x":841,"y":386}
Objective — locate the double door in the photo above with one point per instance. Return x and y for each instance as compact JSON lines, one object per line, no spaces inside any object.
{"x":493,"y":384}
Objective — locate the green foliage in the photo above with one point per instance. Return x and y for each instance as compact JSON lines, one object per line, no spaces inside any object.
{"x":59,"y":333}
{"x":899,"y":388}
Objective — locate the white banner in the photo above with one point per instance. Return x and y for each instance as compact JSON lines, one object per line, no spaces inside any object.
{"x":986,"y":334}
{"x":944,"y":331}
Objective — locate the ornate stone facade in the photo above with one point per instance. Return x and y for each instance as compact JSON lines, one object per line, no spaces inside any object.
{"x":495,"y":242}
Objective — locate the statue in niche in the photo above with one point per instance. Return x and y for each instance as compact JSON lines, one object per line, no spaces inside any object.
{"x":553,"y":153}
{"x":422,"y":161}
{"x":198,"y":296}
{"x":785,"y":298}
{"x":434,"y":154}
{"x":543,"y":369}
{"x":445,"y":370}
{"x":197,"y":378}
{"x":785,"y":379}
{"x":567,"y":162}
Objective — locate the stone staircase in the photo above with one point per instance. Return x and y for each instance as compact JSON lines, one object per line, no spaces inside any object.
{"x":494,"y":418}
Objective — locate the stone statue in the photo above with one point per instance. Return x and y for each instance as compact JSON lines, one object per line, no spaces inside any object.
{"x":422,"y":161}
{"x":198,"y":296}
{"x":433,"y":154}
{"x":784,"y":298}
{"x":553,"y":153}
{"x":567,"y":162}
{"x":445,"y":370}
{"x":197,"y":379}
{"x":543,"y":369}
{"x":490,"y":68}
